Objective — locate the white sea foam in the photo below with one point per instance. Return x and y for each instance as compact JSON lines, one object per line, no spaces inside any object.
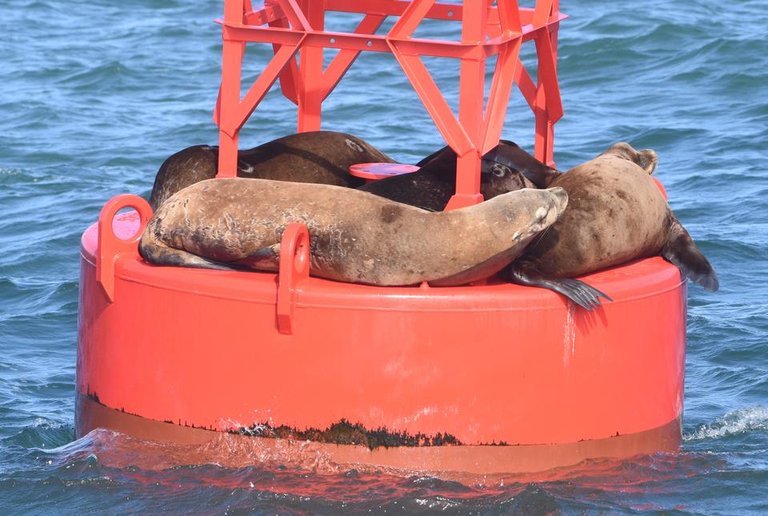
{"x":736,"y":422}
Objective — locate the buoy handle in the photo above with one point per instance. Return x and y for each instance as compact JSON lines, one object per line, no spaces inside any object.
{"x":111,"y":245}
{"x":294,"y":267}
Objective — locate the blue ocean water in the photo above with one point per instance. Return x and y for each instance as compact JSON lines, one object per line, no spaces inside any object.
{"x":95,"y":95}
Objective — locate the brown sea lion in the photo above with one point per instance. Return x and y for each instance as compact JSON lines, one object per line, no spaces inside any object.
{"x":541,"y":176}
{"x":354,"y":236}
{"x":616,"y":213}
{"x":311,"y":157}
{"x":503,"y":169}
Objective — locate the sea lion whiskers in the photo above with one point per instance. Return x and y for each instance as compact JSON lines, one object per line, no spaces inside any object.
{"x":539,"y":238}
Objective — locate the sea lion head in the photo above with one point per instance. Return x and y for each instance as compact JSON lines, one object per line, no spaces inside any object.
{"x":550,"y":210}
{"x":500,"y":229}
{"x":530,"y":211}
{"x":184,"y":168}
{"x":507,"y":167}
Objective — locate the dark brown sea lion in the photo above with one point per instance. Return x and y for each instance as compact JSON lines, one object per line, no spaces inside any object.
{"x":616,"y":213}
{"x":354,"y":236}
{"x":311,"y":157}
{"x":504,"y":169}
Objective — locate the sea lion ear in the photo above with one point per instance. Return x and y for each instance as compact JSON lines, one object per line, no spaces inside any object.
{"x":683,"y":252}
{"x":647,"y":159}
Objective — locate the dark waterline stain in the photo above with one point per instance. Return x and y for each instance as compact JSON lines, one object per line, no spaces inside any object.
{"x":344,"y":432}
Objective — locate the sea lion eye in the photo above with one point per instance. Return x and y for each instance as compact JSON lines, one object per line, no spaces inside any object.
{"x":499,"y":170}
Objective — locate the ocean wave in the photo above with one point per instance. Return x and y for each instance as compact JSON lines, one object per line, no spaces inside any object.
{"x":97,"y":94}
{"x":8,"y":172}
{"x":43,"y":434}
{"x":752,"y":419}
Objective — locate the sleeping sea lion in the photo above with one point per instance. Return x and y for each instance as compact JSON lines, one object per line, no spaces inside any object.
{"x":311,"y":157}
{"x":503,"y":169}
{"x":354,"y":236}
{"x":616,"y":213}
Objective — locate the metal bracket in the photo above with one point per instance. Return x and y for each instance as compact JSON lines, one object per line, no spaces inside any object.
{"x":294,"y":267}
{"x":110,"y":245}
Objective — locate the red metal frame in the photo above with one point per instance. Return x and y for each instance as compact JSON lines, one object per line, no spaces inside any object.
{"x":293,"y":26}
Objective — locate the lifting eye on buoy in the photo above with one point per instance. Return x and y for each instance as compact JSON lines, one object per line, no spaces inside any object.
{"x":294,"y":267}
{"x":113,"y":243}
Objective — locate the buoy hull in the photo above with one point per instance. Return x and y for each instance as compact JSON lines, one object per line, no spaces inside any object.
{"x":496,"y":367}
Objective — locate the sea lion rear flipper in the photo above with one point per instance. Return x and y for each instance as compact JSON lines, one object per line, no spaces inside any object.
{"x":584,"y":295}
{"x":683,"y":252}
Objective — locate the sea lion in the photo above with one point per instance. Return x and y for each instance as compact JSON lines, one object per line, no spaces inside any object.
{"x":541,"y":176}
{"x":503,"y":169}
{"x":311,"y":157}
{"x":354,"y":236}
{"x":616,"y":213}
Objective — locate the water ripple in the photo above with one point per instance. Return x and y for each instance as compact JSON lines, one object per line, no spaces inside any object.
{"x":95,"y":95}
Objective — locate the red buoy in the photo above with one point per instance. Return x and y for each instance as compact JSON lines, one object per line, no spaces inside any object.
{"x":482,"y":379}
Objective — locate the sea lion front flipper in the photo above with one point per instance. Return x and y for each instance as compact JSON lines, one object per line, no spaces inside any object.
{"x":156,"y":252}
{"x":584,"y":295}
{"x":265,"y":259}
{"x":683,"y":252}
